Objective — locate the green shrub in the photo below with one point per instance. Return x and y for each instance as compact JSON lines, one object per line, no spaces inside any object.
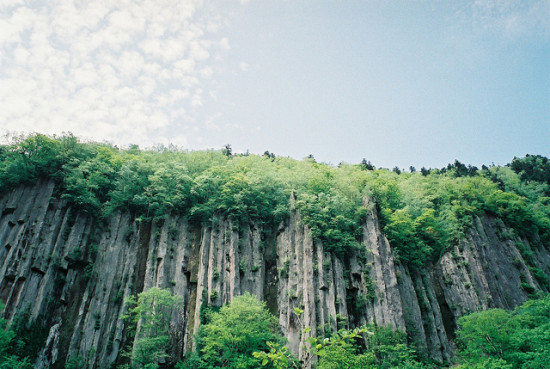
{"x":423,"y":214}
{"x":499,"y":339}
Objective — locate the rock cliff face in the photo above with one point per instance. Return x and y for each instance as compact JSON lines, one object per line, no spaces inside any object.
{"x":69,"y":273}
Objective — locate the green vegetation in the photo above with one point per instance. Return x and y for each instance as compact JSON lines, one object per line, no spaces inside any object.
{"x":231,"y":335}
{"x":368,"y":347}
{"x":492,"y":339}
{"x":422,"y":213}
{"x":245,"y":335}
{"x":11,"y":353}
{"x":532,"y":168}
{"x":500,"y":339}
{"x":152,"y":312}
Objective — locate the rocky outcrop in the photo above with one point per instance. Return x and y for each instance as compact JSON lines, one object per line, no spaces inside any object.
{"x":70,"y":273}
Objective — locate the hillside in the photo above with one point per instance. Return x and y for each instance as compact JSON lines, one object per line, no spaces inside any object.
{"x":84,"y":226}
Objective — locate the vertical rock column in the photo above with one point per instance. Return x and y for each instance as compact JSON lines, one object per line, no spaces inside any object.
{"x":385,"y":307}
{"x":296,"y":287}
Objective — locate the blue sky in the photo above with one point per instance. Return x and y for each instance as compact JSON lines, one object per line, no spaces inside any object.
{"x":401,"y":83}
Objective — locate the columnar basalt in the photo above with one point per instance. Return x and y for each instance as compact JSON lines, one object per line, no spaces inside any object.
{"x":71,"y":273}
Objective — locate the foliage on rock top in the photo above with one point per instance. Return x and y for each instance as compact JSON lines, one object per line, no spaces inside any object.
{"x":422,"y":213}
{"x":149,"y":317}
{"x":500,"y":339}
{"x":233,"y":334}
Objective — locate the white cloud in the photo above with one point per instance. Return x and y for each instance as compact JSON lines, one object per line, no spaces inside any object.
{"x":183,"y":67}
{"x":123,"y":71}
{"x":131,"y":64}
{"x":196,"y":100}
{"x":512,"y":19}
{"x":21,"y":55}
{"x":165,"y":50}
{"x":224,"y":44}
{"x":85,"y":75}
{"x":11,"y":28}
{"x":8,"y":4}
{"x":244,"y":66}
{"x":211,"y":124}
{"x":198,"y":50}
{"x":206,"y":72}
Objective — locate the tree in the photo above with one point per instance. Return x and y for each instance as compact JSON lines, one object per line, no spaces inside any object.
{"x":499,"y":339}
{"x":532,"y":167}
{"x":227,"y":150}
{"x":8,"y":360}
{"x":278,"y":356}
{"x":150,"y":316}
{"x":341,"y":350}
{"x":235,"y":333}
{"x":367,"y":347}
{"x":268,"y":154}
{"x":367,"y":165}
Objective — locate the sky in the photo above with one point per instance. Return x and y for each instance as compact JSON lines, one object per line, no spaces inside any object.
{"x":399,"y":83}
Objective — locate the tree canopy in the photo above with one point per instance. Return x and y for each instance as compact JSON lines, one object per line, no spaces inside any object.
{"x":149,"y":317}
{"x":499,"y":339}
{"x":232,"y":335}
{"x":422,"y":213}
{"x":11,"y":355}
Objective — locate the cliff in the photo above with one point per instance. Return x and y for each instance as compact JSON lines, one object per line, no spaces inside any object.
{"x":69,"y":273}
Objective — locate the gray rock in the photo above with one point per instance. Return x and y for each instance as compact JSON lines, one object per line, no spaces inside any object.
{"x":71,"y":273}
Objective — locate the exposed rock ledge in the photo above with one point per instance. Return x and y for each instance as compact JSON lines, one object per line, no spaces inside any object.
{"x":72,"y":274}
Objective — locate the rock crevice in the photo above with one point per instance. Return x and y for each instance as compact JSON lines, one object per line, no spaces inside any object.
{"x":71,"y":273}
